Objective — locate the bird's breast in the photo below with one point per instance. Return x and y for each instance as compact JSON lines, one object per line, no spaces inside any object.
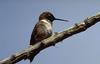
{"x":47,"y":24}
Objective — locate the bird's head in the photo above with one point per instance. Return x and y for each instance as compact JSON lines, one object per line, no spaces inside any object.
{"x":49,"y":16}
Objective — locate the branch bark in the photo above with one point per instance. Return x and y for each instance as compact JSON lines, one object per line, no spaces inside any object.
{"x":51,"y":41}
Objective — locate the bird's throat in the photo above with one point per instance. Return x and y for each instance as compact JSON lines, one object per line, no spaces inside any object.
{"x":47,"y":24}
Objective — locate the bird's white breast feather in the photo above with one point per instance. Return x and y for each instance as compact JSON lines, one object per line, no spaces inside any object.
{"x":47,"y":24}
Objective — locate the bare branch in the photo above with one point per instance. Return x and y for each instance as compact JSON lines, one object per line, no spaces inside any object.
{"x":55,"y":38}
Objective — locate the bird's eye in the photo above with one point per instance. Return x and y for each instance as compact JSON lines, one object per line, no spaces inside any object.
{"x":49,"y":15}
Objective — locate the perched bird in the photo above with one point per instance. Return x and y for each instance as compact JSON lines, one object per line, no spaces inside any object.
{"x":43,"y":29}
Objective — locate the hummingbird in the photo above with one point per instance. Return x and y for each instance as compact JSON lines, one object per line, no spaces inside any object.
{"x":42,"y":29}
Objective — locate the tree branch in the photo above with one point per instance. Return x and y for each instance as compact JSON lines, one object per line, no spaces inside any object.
{"x":51,"y":41}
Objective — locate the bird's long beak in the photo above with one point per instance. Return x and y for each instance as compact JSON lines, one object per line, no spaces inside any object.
{"x":61,"y":19}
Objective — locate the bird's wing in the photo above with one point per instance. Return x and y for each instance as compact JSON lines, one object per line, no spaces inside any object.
{"x":38,"y":33}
